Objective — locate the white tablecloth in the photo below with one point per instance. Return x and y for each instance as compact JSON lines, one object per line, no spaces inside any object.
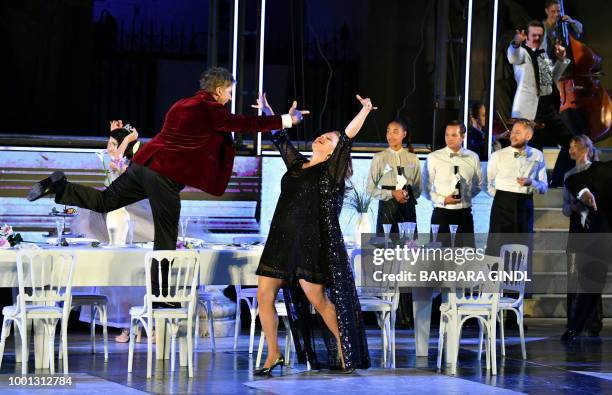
{"x":125,"y":266}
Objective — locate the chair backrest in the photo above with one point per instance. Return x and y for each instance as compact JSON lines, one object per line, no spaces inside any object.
{"x":45,"y":277}
{"x":481,"y":290}
{"x":514,"y":259}
{"x":369,"y":283}
{"x":182,"y":270}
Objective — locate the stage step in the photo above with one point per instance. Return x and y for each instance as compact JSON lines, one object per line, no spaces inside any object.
{"x":551,"y":199}
{"x":550,"y":218}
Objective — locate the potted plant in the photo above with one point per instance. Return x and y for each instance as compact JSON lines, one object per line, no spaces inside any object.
{"x":359,"y":200}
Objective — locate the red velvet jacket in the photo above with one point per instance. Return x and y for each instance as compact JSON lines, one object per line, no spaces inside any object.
{"x":195,"y":147}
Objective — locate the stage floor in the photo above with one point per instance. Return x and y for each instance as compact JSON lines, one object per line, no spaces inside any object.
{"x":584,"y":367}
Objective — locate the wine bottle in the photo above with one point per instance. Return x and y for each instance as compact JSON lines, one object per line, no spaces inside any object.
{"x":407,"y":187}
{"x":457,"y":191}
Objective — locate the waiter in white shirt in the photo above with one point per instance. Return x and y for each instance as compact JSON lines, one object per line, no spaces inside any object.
{"x":395,"y":180}
{"x":452,"y":177}
{"x":514,"y":174}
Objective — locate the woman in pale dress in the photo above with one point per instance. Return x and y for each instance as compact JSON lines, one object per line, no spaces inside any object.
{"x":122,"y":145}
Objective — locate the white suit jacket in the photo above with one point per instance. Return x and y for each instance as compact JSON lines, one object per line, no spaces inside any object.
{"x":525,"y":103}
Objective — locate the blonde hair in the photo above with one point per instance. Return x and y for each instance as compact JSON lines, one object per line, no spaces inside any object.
{"x":524,"y":122}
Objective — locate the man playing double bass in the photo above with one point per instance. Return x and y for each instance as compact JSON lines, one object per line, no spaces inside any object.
{"x":553,"y":26}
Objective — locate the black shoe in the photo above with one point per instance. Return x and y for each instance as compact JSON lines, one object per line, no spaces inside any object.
{"x":53,"y":184}
{"x":267,"y":372}
{"x":341,"y":370}
{"x":569,"y":336}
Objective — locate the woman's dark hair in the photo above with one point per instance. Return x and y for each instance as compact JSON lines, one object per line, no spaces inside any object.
{"x":551,"y":2}
{"x":404,"y":125}
{"x":119,"y":134}
{"x":474,"y":108}
{"x":348,"y":172}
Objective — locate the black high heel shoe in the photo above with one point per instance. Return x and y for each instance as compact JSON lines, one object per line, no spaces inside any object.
{"x":268,"y":371}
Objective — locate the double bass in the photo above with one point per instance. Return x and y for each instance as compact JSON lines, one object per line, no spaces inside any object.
{"x":581,"y":88}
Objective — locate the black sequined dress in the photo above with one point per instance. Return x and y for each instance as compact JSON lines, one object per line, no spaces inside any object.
{"x":305,"y":242}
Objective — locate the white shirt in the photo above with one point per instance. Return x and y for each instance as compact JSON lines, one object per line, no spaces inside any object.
{"x":439,"y":177}
{"x":383,"y":172}
{"x":503,"y":170}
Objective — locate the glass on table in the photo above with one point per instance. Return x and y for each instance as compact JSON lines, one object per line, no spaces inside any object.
{"x":434,"y":231}
{"x":59,"y":229}
{"x":130,"y":235}
{"x":402,"y":229}
{"x":453,"y":231}
{"x":387,"y":230}
{"x":411,"y":228}
{"x":184,"y":223}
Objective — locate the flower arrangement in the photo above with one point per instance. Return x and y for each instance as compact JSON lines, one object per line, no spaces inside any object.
{"x":188,"y":244}
{"x":359,"y":199}
{"x":107,"y":172}
{"x":8,"y":238}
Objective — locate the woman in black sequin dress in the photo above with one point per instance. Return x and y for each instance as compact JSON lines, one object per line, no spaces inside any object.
{"x":306,"y":256}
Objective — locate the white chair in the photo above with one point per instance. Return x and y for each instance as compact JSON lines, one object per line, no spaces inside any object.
{"x":281,"y":311}
{"x":514,"y":258}
{"x":205,"y":300}
{"x":382,"y":298}
{"x":98,"y":304}
{"x":477,"y":299}
{"x":47,"y":277}
{"x":249,"y":295}
{"x":181,"y":287}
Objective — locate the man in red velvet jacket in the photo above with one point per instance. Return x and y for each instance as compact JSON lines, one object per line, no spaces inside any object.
{"x":194,"y":148}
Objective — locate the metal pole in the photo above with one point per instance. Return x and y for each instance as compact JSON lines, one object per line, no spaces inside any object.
{"x":466,"y":90}
{"x":492,"y":81}
{"x":262,"y":25}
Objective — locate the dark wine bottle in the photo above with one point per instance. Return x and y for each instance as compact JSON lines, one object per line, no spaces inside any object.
{"x":407,"y":187}
{"x":457,"y":191}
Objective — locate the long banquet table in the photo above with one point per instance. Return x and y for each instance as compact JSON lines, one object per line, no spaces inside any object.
{"x":219,"y":265}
